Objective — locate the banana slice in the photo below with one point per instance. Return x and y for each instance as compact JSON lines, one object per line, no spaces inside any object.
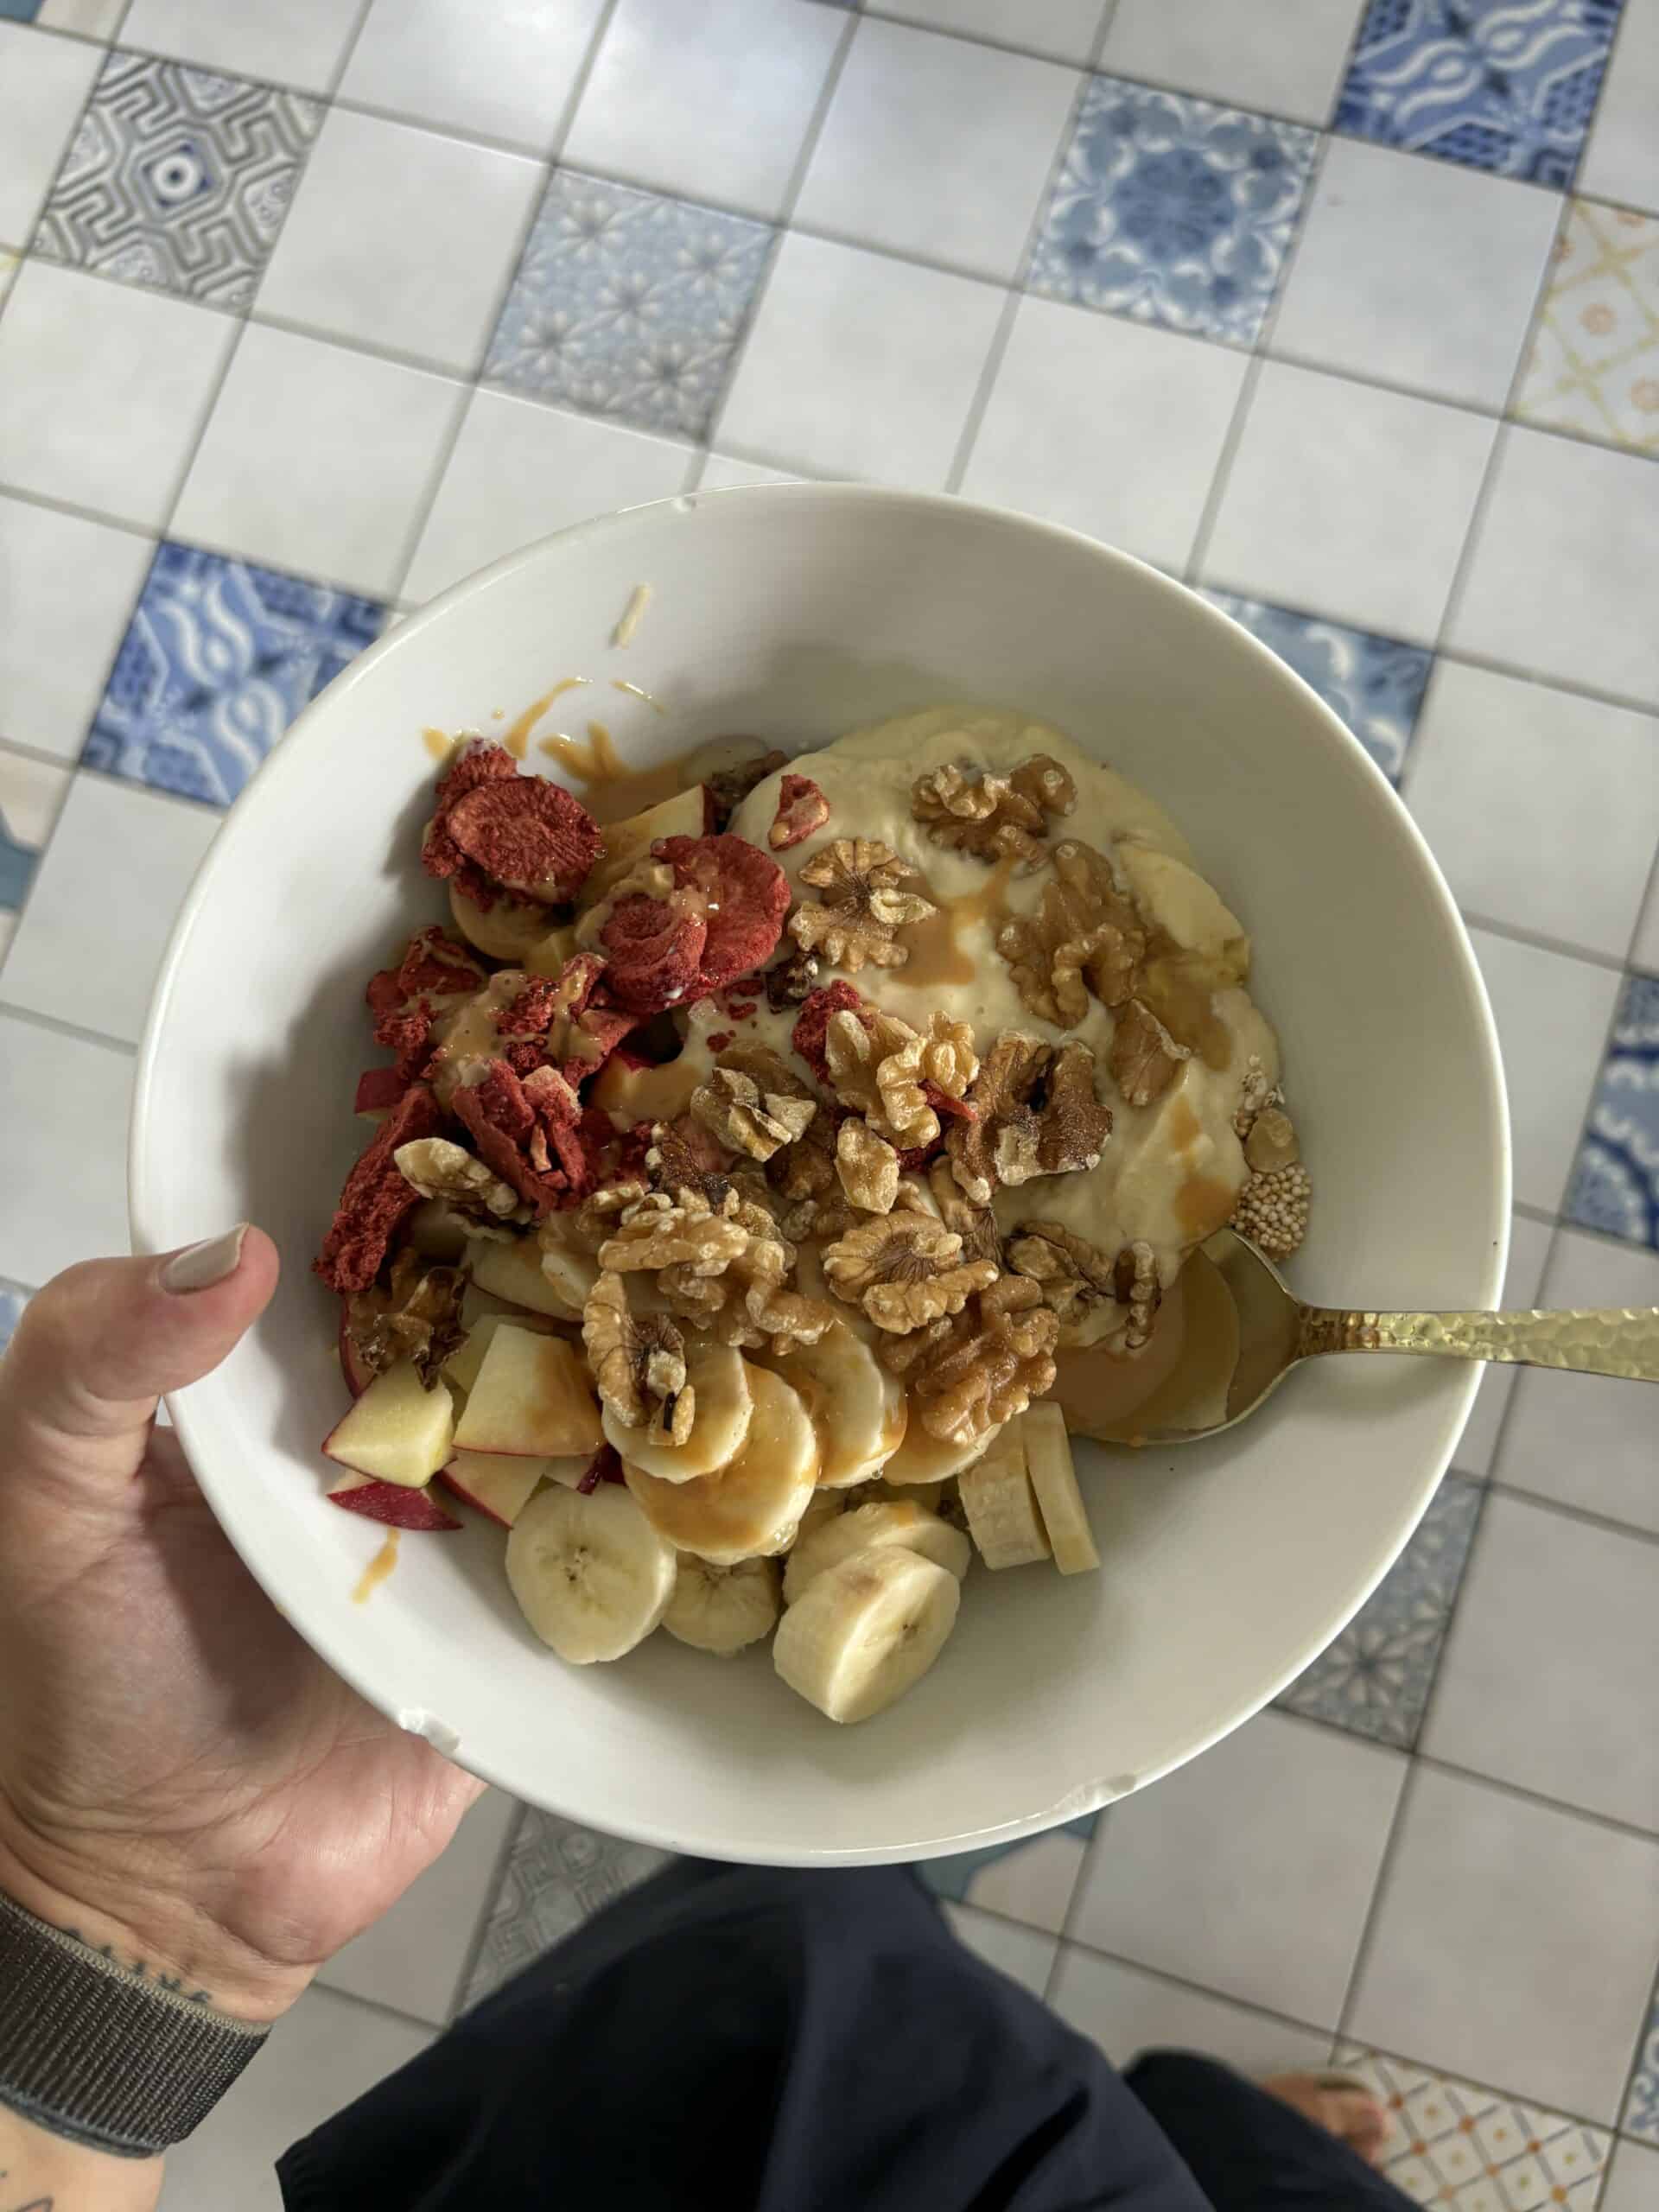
{"x":723,"y":1608}
{"x":751,"y":1508}
{"x":518,"y":1273}
{"x":822,"y":1505}
{"x":724,"y":1402}
{"x":1054,"y":1479}
{"x":570,"y":1275}
{"x":865,"y":1630}
{"x":1183,"y":905}
{"x":923,"y":1458}
{"x":1001,"y":1506}
{"x":592,"y":1576}
{"x":860,"y":1410}
{"x":869,"y":1528}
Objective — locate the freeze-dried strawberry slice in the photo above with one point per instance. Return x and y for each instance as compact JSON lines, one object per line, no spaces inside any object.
{"x":526,"y":1130}
{"x":376,"y":1197}
{"x":436,"y":973}
{"x":746,"y":897}
{"x":812,"y":1023}
{"x":530,"y":837}
{"x":564,"y":1021}
{"x":378,"y":1090}
{"x":947,"y":1107}
{"x":801,"y":807}
{"x":479,"y":763}
{"x":655,"y":952}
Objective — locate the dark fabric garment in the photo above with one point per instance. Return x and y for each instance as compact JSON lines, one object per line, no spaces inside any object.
{"x":761,"y":2041}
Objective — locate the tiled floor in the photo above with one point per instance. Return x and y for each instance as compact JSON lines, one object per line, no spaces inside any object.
{"x":1348,"y":313}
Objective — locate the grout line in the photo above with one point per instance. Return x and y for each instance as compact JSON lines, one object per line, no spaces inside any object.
{"x":1379,"y":1892}
{"x":1608,"y":1822}
{"x":782,"y":223}
{"x":1491,"y":2088}
{"x":1185,"y":1981}
{"x":347,"y":53}
{"x":37,"y":752}
{"x":1539,"y":1214}
{"x":186,"y":800}
{"x":1635,"y":2067}
{"x":1519,"y":933}
{"x":423,"y":364}
{"x":480,"y":1926}
{"x":446,"y":451}
{"x":1568,"y":1511}
{"x":37,"y":1021}
{"x":429,"y":2028}
{"x":991,"y":368}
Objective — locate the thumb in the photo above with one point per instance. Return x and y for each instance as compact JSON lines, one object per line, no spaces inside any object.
{"x":99,"y":1346}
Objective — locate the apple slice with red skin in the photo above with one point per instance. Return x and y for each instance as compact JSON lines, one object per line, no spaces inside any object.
{"x":395,"y":1503}
{"x":533,"y":1398}
{"x":397,"y":1430}
{"x":500,"y":1486}
{"x":460,"y":1369}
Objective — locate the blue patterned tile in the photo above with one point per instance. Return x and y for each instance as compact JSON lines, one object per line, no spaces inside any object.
{"x":31,"y":793}
{"x":629,"y":304}
{"x":1641,"y":2106}
{"x":1374,"y":1679}
{"x":1616,"y":1184}
{"x":1375,"y":684}
{"x":1172,"y":210}
{"x":13,"y":1298}
{"x":178,"y":179}
{"x":219,"y":659}
{"x":19,"y":11}
{"x":1508,"y":85}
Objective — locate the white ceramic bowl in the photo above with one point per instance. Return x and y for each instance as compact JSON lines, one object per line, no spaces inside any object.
{"x":798,"y":613}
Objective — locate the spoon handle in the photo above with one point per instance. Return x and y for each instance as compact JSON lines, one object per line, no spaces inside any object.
{"x":1618,"y":1340}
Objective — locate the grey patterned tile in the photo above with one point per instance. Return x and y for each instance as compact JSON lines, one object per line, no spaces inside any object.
{"x":1375,"y":684}
{"x":1641,"y":2106}
{"x":1173,"y":210}
{"x":178,"y":179}
{"x":1616,"y":1185}
{"x":557,"y":1876}
{"x":1374,"y":1679}
{"x":629,"y":304}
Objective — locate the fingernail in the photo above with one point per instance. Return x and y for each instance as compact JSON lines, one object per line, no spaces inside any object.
{"x":200,"y":1266}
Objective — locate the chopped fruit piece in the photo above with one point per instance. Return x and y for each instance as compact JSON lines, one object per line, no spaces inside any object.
{"x":392,"y":1504}
{"x":352,"y":1365}
{"x":438,"y":1231}
{"x":532,"y":1395}
{"x":866,"y":1631}
{"x":752,"y":1507}
{"x":563,"y":1022}
{"x":375,"y":1198}
{"x":592,"y":1576}
{"x":510,"y":929}
{"x":685,"y":815}
{"x":655,"y":951}
{"x":745,"y":896}
{"x":531,"y":837}
{"x":812,"y":1023}
{"x":525,"y":1131}
{"x":801,"y":807}
{"x":398,"y":1431}
{"x":1053,"y":1477}
{"x":519,"y":1273}
{"x":1000,"y":1504}
{"x":461,"y":1367}
{"x":498,"y":1486}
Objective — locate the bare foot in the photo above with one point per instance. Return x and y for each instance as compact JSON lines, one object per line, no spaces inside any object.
{"x":1340,"y":2106}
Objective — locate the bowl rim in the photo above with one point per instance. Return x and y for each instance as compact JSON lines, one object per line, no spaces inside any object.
{"x":285,"y":759}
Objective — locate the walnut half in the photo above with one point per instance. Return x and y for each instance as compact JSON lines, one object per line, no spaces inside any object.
{"x":438,"y":1169}
{"x":864,"y":901}
{"x":1084,"y":936}
{"x":994,"y":818}
{"x":969,"y":1374}
{"x":638,"y":1364}
{"x":904,"y":1269}
{"x":752,"y":1102}
{"x":1038,"y":1113}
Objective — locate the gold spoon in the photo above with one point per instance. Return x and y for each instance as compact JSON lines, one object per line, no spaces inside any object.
{"x":1276,"y":1332}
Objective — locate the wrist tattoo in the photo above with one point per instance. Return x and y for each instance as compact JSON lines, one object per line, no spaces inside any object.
{"x":174,"y":1983}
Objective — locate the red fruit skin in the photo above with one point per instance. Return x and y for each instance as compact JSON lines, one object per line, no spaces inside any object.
{"x":392,"y":1503}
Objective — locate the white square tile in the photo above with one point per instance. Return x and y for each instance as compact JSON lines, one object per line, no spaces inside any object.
{"x":63,"y":1105}
{"x":118,"y":852}
{"x":323,"y":2054}
{"x":43,"y":86}
{"x":1552,"y":1015}
{"x":1543,"y":808}
{"x":1249,"y":1870}
{"x":708,"y":98}
{"x":67,"y":588}
{"x":1644,"y":953}
{"x":1108,"y":425}
{"x":401,"y":238}
{"x":1127,"y":2011}
{"x":107,"y":425}
{"x":861,"y":366}
{"x":1529,"y":1243}
{"x":1348,"y":501}
{"x":1283,"y":56}
{"x":1586,"y":1440}
{"x":721,"y":473}
{"x":938,"y":147}
{"x":1022,"y":1953}
{"x":1514,"y":1943}
{"x":413,"y":1958}
{"x":1632,"y":2180}
{"x":31,"y":794}
{"x":1065,"y":31}
{"x":1621,"y":163}
{"x":501,"y":72}
{"x":1416,"y":273}
{"x":317,"y":459}
{"x":1560,"y":580}
{"x":1547,"y":1679}
{"x":520,"y":470}
{"x":1034,"y":1882}
{"x":301,"y":42}
{"x":91,"y":18}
